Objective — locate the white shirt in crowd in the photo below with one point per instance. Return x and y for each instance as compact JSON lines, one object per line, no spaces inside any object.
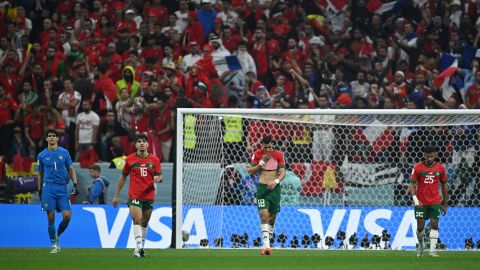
{"x":86,"y":122}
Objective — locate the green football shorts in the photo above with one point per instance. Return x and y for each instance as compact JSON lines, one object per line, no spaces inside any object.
{"x":268,"y":199}
{"x":143,"y":204}
{"x":428,"y":211}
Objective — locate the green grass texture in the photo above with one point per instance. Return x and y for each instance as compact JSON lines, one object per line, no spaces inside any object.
{"x":288,"y":259}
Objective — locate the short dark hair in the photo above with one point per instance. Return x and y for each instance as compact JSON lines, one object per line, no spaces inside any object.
{"x":429,"y":149}
{"x":51,"y":131}
{"x":140,"y":136}
{"x":266,"y":139}
{"x":95,"y":167}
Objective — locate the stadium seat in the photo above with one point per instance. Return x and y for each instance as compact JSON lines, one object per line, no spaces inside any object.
{"x":299,"y":169}
{"x":315,"y":184}
{"x":127,"y":146}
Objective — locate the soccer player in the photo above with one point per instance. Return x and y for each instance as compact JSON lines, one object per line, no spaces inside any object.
{"x":426,"y":176}
{"x":144,"y":170}
{"x":54,"y":163}
{"x":270,"y":164}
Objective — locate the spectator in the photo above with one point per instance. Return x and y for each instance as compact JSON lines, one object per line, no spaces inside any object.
{"x":472,"y":97}
{"x":163,"y":126}
{"x":128,"y":82}
{"x":190,"y":59}
{"x":118,"y":161}
{"x":97,"y":193}
{"x":34,"y":129}
{"x":27,"y":99}
{"x":68,"y":104}
{"x":360,"y":87}
{"x":19,"y":144}
{"x":8,"y":116}
{"x":86,"y":132}
{"x":206,"y":16}
{"x":109,"y":129}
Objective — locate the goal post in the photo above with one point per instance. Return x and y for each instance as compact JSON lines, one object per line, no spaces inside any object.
{"x":347,"y":176}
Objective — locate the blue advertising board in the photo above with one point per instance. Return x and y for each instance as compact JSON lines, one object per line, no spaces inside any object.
{"x":94,"y":226}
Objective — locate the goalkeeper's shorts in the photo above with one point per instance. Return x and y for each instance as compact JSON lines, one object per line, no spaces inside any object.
{"x":268,"y":199}
{"x":55,"y":197}
{"x":428,"y":211}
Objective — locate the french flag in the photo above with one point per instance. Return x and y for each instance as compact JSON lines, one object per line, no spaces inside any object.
{"x":378,"y":7}
{"x":377,"y":135}
{"x":448,"y":67}
{"x":335,"y":5}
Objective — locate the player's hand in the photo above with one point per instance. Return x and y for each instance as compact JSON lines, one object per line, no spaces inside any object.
{"x":115,"y":202}
{"x":158,"y":179}
{"x":272,"y":185}
{"x":444,"y":210}
{"x":75,"y":191}
{"x":416,"y":202}
{"x":266,"y":157}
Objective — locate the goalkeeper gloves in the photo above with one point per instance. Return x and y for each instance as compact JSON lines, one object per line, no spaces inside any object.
{"x":75,"y":191}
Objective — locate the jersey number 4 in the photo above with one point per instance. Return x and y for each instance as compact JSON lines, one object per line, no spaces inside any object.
{"x":143,"y":171}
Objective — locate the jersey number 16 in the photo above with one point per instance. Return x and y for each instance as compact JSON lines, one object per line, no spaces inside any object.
{"x":143,"y":171}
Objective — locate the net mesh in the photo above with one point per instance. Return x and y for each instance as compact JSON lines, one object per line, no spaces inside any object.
{"x":347,"y":178}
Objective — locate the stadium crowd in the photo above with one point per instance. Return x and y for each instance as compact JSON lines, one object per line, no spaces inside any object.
{"x":98,"y":71}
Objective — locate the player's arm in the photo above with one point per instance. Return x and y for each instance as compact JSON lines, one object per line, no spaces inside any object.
{"x":443,"y":181}
{"x":253,"y":168}
{"x":258,"y":163}
{"x":39,"y":184}
{"x":73,"y":176}
{"x":444,"y":197}
{"x":40,"y":177}
{"x":281,"y":171}
{"x":412,"y":187}
{"x":157,"y":174}
{"x":121,"y":182}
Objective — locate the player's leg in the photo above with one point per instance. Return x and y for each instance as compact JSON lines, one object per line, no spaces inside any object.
{"x":147,"y":213}
{"x":264,"y":227}
{"x":63,"y":206}
{"x":434,"y":213}
{"x":48,"y":204}
{"x":135,"y":207}
{"x":66,"y":217}
{"x":271,"y":224}
{"x":51,"y":230}
{"x":420,"y":216}
{"x":263,"y":205}
{"x":274,"y":207}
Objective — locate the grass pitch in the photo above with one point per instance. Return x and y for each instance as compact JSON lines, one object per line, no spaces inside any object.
{"x":169,"y":259}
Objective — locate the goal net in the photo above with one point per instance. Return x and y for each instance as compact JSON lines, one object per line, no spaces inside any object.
{"x":346,"y":181}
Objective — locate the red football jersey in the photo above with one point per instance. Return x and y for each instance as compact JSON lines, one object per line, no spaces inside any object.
{"x":428,"y":179}
{"x":142,"y":171}
{"x":277,"y":161}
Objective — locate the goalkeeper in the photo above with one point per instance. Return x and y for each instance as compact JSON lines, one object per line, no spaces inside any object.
{"x":54,"y":165}
{"x":426,"y":176}
{"x":270,"y":164}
